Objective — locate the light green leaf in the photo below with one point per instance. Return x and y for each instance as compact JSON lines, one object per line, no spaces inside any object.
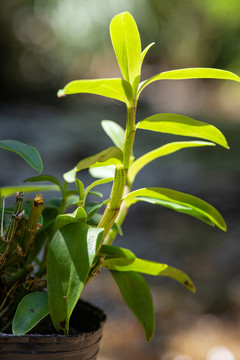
{"x":110,"y":156}
{"x":183,"y":125}
{"x":150,"y":268}
{"x":103,"y":172}
{"x":96,"y":183}
{"x":118,"y":89}
{"x":11,"y":190}
{"x":27,"y":152}
{"x":190,"y":73}
{"x":161,"y":151}
{"x":127,"y":46}
{"x":70,"y":257}
{"x":41,"y":178}
{"x":180,"y":202}
{"x":114,"y":131}
{"x":144,"y":52}
{"x":79,"y":215}
{"x":30,"y":311}
{"x":116,"y":252}
{"x":137,"y":296}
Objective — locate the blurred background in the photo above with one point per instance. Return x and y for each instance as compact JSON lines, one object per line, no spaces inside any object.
{"x":44,"y":45}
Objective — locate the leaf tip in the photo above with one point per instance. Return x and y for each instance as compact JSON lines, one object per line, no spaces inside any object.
{"x":61,"y":93}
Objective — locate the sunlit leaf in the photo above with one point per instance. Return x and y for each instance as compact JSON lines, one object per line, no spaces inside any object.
{"x":110,"y":156}
{"x":117,"y":252}
{"x":190,"y":73}
{"x":96,"y":183}
{"x":127,"y":46}
{"x":180,"y":202}
{"x":114,"y":131}
{"x":103,"y":172}
{"x":150,"y":268}
{"x":70,"y":257}
{"x":161,"y":151}
{"x":137,"y":296}
{"x":30,"y":311}
{"x":183,"y":125}
{"x":11,"y":190}
{"x":144,"y":52}
{"x":27,"y":152}
{"x":118,"y":89}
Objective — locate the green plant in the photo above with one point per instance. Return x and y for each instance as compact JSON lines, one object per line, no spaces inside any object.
{"x":76,"y":245}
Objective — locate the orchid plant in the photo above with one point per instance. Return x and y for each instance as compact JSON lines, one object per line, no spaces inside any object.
{"x":76,"y":245}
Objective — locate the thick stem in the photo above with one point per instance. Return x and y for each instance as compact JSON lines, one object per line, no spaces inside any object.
{"x":120,"y":180}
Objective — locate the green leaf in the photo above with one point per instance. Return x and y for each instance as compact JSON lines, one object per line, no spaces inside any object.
{"x":27,"y":152}
{"x":103,"y":172}
{"x":180,"y":202}
{"x":47,"y":178}
{"x":116,"y":252}
{"x":79,"y":215}
{"x":30,"y":311}
{"x":114,"y":131}
{"x":138,"y":298}
{"x":70,"y":257}
{"x":150,"y":268}
{"x":80,"y":188}
{"x":144,"y":52}
{"x":183,"y":125}
{"x":11,"y":190}
{"x":118,"y":89}
{"x":92,"y":207}
{"x":110,"y":156}
{"x":96,"y":183}
{"x":190,"y":73}
{"x":161,"y":151}
{"x":127,"y":46}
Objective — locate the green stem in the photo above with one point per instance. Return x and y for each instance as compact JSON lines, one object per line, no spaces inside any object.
{"x":113,"y":208}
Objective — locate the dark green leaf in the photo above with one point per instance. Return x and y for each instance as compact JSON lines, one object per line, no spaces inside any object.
{"x":27,"y":152}
{"x":31,"y":310}
{"x":138,"y":298}
{"x":47,"y":178}
{"x":70,"y":257}
{"x":78,"y":215}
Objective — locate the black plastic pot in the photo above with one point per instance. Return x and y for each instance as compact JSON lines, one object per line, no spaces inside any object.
{"x":86,"y":326}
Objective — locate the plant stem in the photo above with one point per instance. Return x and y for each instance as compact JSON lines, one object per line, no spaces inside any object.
{"x":113,"y":208}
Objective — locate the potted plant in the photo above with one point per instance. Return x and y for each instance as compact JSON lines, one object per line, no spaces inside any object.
{"x":55,"y":249}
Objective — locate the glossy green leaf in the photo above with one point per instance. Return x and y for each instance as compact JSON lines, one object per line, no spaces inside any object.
{"x":118,"y":89}
{"x":127,"y":46}
{"x":190,"y":73}
{"x":47,"y":178}
{"x":161,"y":151}
{"x":180,"y":202}
{"x":27,"y":152}
{"x":114,"y":131}
{"x":183,"y":125}
{"x":103,"y":172}
{"x":117,"y":252}
{"x":150,"y":268}
{"x":30,"y":311}
{"x":79,"y":215}
{"x":70,"y":257}
{"x":96,"y":183}
{"x":144,"y":52}
{"x":137,"y":296}
{"x":94,"y":220}
{"x":11,"y":190}
{"x":110,"y":156}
